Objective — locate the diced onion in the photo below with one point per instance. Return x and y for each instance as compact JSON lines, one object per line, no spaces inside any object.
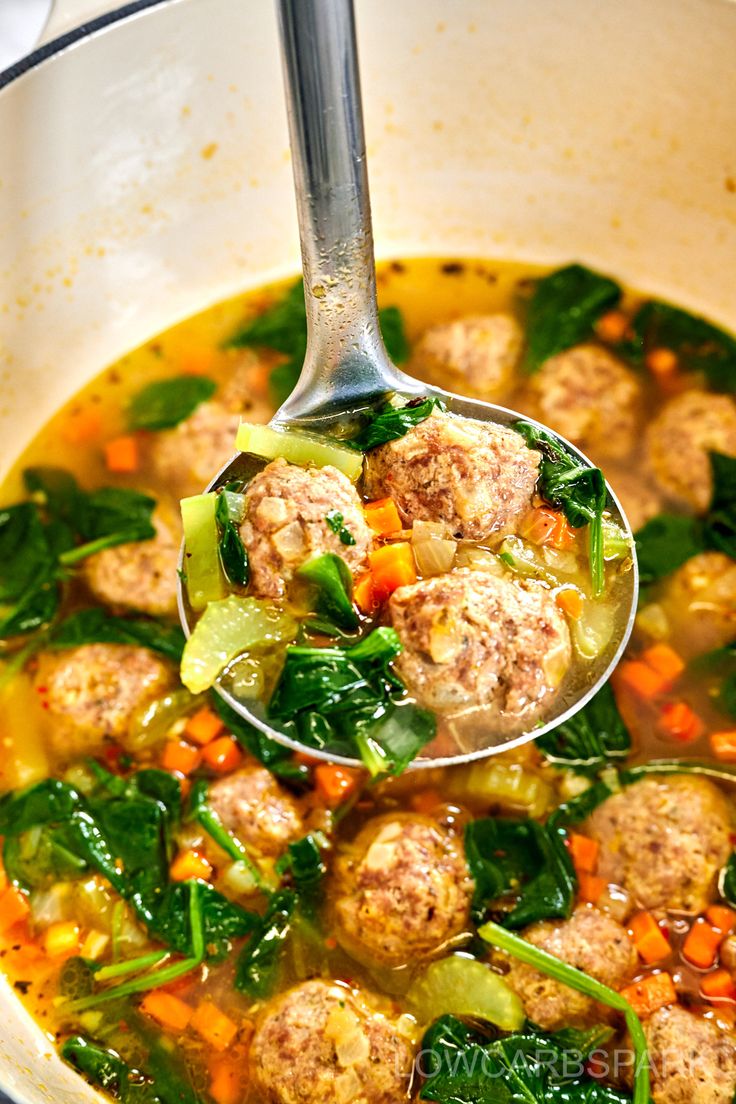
{"x":427,"y":530}
{"x":653,"y":621}
{"x":239,"y":879}
{"x":479,"y":559}
{"x":460,"y":986}
{"x":592,"y":632}
{"x":299,"y":448}
{"x":434,"y":557}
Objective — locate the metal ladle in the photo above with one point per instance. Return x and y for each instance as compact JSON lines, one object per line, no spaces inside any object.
{"x":347,"y":366}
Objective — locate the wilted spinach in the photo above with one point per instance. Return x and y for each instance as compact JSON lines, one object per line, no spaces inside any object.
{"x":96,"y":626}
{"x":332,"y":587}
{"x":699,"y":345}
{"x":563,"y":310}
{"x":260,"y":959}
{"x":595,"y":737}
{"x":165,"y":1081}
{"x":164,"y":403}
{"x":391,"y":422}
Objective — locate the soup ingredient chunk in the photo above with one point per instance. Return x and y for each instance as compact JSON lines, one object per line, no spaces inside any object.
{"x":592,"y":942}
{"x":591,"y":398}
{"x":692,"y":1060}
{"x":472,"y":638}
{"x":476,"y":477}
{"x":189,"y":456}
{"x":664,"y":840}
{"x":291,"y":514}
{"x":681,"y":436}
{"x":91,"y":693}
{"x":481,"y":351}
{"x":700,"y":602}
{"x":639,"y":499}
{"x":257,"y":810}
{"x":402,"y":890}
{"x":322,"y":1043}
{"x":139,"y":576}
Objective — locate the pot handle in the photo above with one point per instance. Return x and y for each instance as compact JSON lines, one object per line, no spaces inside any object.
{"x":65,"y":15}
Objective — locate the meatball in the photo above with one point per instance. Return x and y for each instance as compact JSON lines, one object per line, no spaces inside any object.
{"x":476,"y":354}
{"x":476,"y":477}
{"x":138,"y":576}
{"x":91,"y":693}
{"x":664,"y":840}
{"x":402,"y":890}
{"x":590,"y":941}
{"x":322,"y":1043}
{"x":700,"y":603}
{"x":637,"y":496}
{"x":189,"y":456}
{"x":681,"y":436}
{"x":257,"y":810}
{"x":472,"y":638}
{"x":286,"y":522}
{"x":591,"y":398}
{"x":692,"y":1060}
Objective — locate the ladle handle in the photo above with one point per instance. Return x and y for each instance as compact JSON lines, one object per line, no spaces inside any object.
{"x":346,"y":360}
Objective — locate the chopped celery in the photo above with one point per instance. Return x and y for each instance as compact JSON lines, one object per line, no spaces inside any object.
{"x":616,"y":544}
{"x":205,"y":582}
{"x":299,"y":448}
{"x":151,"y":722}
{"x":592,"y":633}
{"x":461,"y":986}
{"x":227,"y":629}
{"x":508,"y":785}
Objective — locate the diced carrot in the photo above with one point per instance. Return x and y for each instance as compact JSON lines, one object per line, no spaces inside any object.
{"x":363,"y":595}
{"x":661,"y":362}
{"x":664,"y":660}
{"x":701,"y":944}
{"x":718,"y":986}
{"x":723,"y":746}
{"x":180,"y":756}
{"x":121,"y":454}
{"x":722,"y":918}
{"x":591,"y":887}
{"x":226,"y":1081}
{"x":61,"y":939}
{"x":392,"y":566}
{"x":570,"y":602}
{"x":563,"y":534}
{"x":82,"y":426}
{"x":190,"y":864}
{"x":583,"y":852}
{"x":612,"y":326}
{"x":383,"y":516}
{"x":678,"y":721}
{"x":335,"y":784}
{"x":203,"y":726}
{"x":641,"y":679}
{"x":649,"y":939}
{"x":652,"y":992}
{"x":223,"y":754}
{"x":214,"y":1026}
{"x":14,"y":907}
{"x":3,"y":878}
{"x":426,"y":801}
{"x":542,"y":525}
{"x":196,"y":362}
{"x":168,"y":1010}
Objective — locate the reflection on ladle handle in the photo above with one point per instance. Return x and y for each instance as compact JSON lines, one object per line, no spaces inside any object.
{"x":346,"y":360}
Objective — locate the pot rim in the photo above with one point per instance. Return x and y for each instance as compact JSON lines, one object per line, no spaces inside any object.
{"x":49,"y":49}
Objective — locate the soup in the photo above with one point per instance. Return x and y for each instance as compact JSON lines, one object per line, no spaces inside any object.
{"x":193,"y":913}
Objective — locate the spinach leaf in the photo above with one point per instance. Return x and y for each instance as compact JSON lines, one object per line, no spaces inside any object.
{"x":56,"y":489}
{"x":665,"y":543}
{"x":223,"y":921}
{"x":303,"y":860}
{"x":332,"y":588}
{"x":349,"y":700}
{"x":257,"y":969}
{"x":721,"y":665}
{"x":95,"y":626}
{"x":110,"y":516}
{"x":165,"y":403}
{"x":578,"y":490}
{"x":233,"y":556}
{"x":563,"y":310}
{"x":166,"y":1080}
{"x":29,"y":594}
{"x":391,"y":422}
{"x":283,"y":327}
{"x":593,"y":738}
{"x":276,"y":757}
{"x":699,"y":345}
{"x":727,"y":881}
{"x":720,"y":521}
{"x":523,"y":858}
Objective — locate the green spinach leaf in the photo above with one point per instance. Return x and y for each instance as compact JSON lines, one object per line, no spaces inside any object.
{"x":592,"y":739}
{"x":332,"y":588}
{"x":166,"y":403}
{"x":233,"y":556}
{"x":563,"y":310}
{"x":391,"y":422}
{"x":391,"y":321}
{"x":699,"y":345}
{"x":95,"y":626}
{"x":276,"y":757}
{"x":165,"y":1081}
{"x":258,"y":965}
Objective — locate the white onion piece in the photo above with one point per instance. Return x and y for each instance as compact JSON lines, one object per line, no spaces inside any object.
{"x":592,"y":633}
{"x":434,"y":557}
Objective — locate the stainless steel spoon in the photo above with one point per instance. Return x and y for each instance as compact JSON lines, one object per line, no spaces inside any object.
{"x":347,"y":366}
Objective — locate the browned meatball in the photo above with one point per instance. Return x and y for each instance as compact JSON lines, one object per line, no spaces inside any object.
{"x":472,"y":638}
{"x":323,"y":1043}
{"x":681,"y":436}
{"x":91,"y":692}
{"x":664,"y":840}
{"x":402,"y":890}
{"x":475,"y":355}
{"x":692,"y":1060}
{"x":257,"y":810}
{"x":137,"y":576}
{"x":699,"y":601}
{"x":636,"y":494}
{"x":590,"y":941}
{"x":286,"y":522}
{"x":476,"y":477}
{"x":188,"y":457}
{"x":591,"y":398}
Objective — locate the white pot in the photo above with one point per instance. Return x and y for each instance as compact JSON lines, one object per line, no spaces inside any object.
{"x":144,"y":174}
